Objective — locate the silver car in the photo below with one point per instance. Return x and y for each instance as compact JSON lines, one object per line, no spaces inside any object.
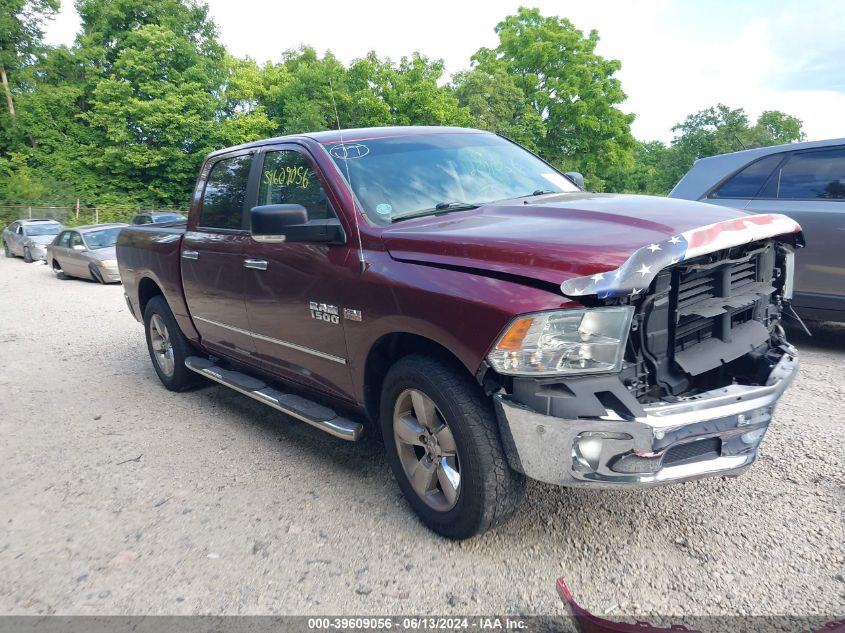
{"x":29,"y":238}
{"x":805,"y":181}
{"x":157,"y":217}
{"x":86,"y":252}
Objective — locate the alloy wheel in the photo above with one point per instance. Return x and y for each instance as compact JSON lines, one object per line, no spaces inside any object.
{"x":427,"y":450}
{"x":162,"y":347}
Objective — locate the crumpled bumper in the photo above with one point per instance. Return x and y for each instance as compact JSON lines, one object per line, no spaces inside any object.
{"x":713,"y":433}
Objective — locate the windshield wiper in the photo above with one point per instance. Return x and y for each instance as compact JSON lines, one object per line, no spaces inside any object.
{"x":440,"y":207}
{"x":537,"y":192}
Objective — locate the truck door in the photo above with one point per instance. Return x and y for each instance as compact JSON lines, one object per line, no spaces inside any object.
{"x":212,"y":257}
{"x":293,"y":289}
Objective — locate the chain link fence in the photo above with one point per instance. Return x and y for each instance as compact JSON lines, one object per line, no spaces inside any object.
{"x":72,"y":216}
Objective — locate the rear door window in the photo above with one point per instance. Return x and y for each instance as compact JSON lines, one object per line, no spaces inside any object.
{"x":289,"y":178}
{"x":64,"y":240}
{"x":749,"y":182}
{"x":225,"y":193}
{"x":76,"y":240}
{"x":818,"y":175}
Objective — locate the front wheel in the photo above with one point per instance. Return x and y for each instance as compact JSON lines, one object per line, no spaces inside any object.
{"x":27,"y":256}
{"x":96,"y":275}
{"x":443,"y":445}
{"x":168,"y":347}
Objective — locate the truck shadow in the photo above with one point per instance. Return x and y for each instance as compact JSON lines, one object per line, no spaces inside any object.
{"x":826,"y":335}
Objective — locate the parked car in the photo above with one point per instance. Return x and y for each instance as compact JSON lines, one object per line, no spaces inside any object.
{"x":157,"y":217}
{"x":803,"y":180}
{"x":29,"y":238}
{"x":490,"y":318}
{"x":86,"y":252}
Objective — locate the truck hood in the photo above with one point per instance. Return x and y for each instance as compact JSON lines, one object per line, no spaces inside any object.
{"x":552,"y":239}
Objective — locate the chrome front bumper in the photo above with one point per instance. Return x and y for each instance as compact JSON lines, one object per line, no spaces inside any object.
{"x":713,"y":433}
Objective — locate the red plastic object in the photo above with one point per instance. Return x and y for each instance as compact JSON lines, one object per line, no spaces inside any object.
{"x":588,"y":623}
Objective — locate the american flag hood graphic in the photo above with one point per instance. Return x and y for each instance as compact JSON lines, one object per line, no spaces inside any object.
{"x":640,"y":269}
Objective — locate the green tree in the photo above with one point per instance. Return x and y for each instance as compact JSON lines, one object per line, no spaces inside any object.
{"x":21,"y":41}
{"x":721,"y":129}
{"x":651,"y":170}
{"x":243,"y":117}
{"x":302,"y":91}
{"x":412,"y":92}
{"x":497,"y":104}
{"x":774,"y":128}
{"x":52,"y":136}
{"x":656,"y":168}
{"x":155,"y":75}
{"x":570,"y":87}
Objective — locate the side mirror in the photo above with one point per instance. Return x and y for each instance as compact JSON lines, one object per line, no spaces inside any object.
{"x":79,"y":247}
{"x":289,"y":223}
{"x":575,"y":177}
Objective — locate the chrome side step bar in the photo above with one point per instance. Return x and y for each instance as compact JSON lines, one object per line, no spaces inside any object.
{"x":295,"y":406}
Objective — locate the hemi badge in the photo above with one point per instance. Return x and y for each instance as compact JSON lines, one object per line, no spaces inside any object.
{"x":352,"y":315}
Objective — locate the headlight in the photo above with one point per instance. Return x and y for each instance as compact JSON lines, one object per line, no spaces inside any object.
{"x":108,"y":263}
{"x":583,"y":341}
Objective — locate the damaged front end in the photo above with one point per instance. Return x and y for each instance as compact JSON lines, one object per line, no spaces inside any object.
{"x":705,"y":362}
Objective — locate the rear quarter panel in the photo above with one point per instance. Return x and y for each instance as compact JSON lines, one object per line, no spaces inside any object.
{"x":153,"y":252}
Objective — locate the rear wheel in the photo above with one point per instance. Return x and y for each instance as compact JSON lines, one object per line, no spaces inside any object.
{"x":57,"y":268}
{"x":168,"y":347}
{"x":443,"y":445}
{"x":6,"y":250}
{"x":27,"y":256}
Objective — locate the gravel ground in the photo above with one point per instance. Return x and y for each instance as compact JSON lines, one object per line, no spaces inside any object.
{"x":119,"y":497}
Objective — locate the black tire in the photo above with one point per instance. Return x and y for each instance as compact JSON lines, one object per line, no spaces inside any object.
{"x":27,"y":256}
{"x":57,"y":268}
{"x":96,"y":275}
{"x":6,"y":251}
{"x":181,"y":378}
{"x":489,"y":491}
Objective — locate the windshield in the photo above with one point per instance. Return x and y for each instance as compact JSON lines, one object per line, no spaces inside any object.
{"x":102,"y":238}
{"x":393,"y":177}
{"x":48,"y":228}
{"x":172,"y":217}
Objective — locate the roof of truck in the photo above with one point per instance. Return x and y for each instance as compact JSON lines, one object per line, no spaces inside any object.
{"x":355,"y":134}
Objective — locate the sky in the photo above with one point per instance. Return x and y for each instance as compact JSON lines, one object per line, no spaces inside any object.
{"x":677,"y":57}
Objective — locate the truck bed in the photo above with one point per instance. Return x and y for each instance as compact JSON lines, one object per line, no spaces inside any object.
{"x":152,"y":253}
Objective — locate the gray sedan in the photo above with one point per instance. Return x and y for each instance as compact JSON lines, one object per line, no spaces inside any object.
{"x":29,"y":238}
{"x":86,"y":252}
{"x":805,"y":181}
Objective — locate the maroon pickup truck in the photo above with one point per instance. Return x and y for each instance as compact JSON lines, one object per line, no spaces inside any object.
{"x":487,"y":317}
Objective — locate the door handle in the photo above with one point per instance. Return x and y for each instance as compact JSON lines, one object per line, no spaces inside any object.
{"x":190,"y":255}
{"x":255,"y":264}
